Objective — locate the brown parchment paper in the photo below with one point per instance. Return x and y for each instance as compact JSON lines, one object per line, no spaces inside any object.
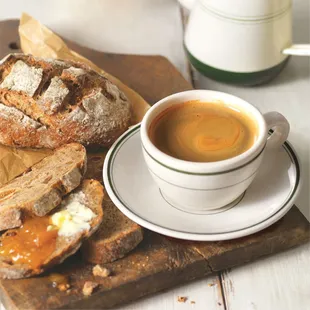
{"x":38,"y":40}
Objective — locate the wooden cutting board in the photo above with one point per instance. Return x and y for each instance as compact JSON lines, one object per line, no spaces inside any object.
{"x":159,"y":262}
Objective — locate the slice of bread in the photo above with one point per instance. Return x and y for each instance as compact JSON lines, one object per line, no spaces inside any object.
{"x":116,"y":236}
{"x":91,"y":192}
{"x":41,"y":188}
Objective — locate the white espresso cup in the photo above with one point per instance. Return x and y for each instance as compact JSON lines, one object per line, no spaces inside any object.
{"x":206,"y":187}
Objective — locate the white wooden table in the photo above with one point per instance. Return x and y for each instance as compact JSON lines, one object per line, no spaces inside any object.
{"x":280,"y":282}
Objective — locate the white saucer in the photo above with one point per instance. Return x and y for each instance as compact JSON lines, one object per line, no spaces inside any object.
{"x":132,"y":189}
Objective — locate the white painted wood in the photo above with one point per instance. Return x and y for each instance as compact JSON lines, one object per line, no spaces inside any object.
{"x":280,"y":282}
{"x":201,"y":295}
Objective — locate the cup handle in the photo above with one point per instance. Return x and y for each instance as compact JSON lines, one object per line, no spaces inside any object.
{"x":280,"y":126}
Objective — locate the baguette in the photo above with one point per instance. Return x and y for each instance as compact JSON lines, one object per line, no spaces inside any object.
{"x":48,"y":103}
{"x":116,"y":236}
{"x":41,"y":188}
{"x":90,"y":194}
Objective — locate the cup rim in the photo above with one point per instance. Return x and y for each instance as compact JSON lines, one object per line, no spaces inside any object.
{"x":202,"y":168}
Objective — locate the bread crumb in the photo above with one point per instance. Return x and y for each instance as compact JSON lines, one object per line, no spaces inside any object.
{"x":101,"y":271}
{"x":182,"y":299}
{"x":63,"y":287}
{"x":211,"y":284}
{"x":89,"y":287}
{"x":193,"y":302}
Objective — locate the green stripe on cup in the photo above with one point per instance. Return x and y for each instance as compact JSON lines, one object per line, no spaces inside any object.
{"x":239,"y":78}
{"x":203,"y":173}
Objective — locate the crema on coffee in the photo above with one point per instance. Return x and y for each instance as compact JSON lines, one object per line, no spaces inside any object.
{"x":203,"y":131}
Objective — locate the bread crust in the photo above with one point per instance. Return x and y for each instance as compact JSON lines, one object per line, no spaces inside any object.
{"x":107,"y":251}
{"x":65,"y":246}
{"x":116,"y":236}
{"x":48,"y":103}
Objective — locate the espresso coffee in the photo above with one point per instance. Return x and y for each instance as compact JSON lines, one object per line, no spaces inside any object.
{"x":203,"y":131}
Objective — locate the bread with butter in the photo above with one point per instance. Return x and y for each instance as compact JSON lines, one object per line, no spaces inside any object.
{"x":76,"y":219}
{"x":41,"y":188}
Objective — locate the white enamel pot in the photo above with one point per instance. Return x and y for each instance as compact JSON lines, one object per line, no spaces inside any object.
{"x":241,"y":41}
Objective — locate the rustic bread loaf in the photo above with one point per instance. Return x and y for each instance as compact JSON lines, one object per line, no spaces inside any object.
{"x":116,"y":236}
{"x":48,"y":103}
{"x":90,"y":193}
{"x":41,"y":188}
